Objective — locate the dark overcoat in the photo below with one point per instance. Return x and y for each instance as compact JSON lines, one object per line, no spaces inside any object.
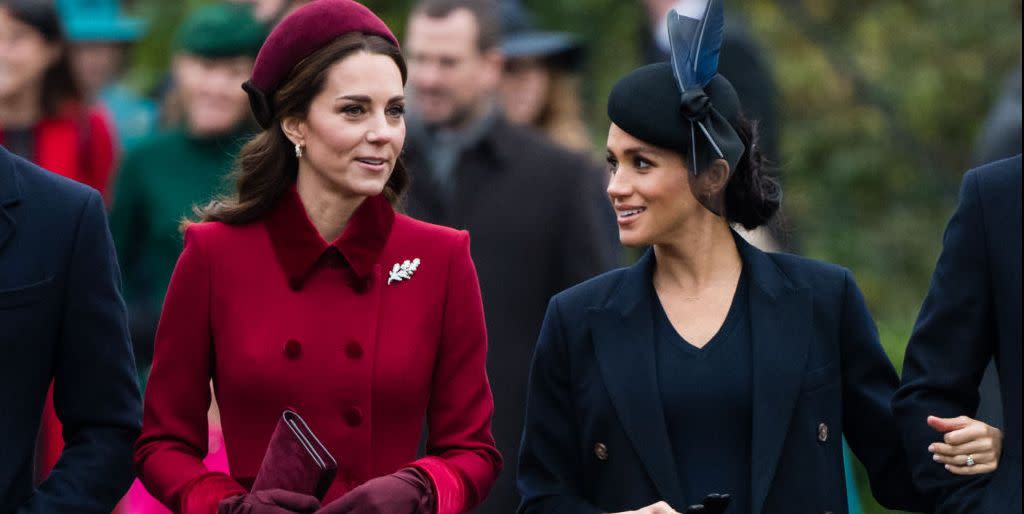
{"x":972,"y":313}
{"x":596,"y":440}
{"x":62,"y":319}
{"x":534,"y":215}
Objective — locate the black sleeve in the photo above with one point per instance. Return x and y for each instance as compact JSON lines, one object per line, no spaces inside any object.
{"x":952,"y":342}
{"x":549,"y":473}
{"x":869,"y":381}
{"x":96,"y":395}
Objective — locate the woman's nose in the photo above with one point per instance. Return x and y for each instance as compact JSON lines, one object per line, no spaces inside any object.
{"x":618,"y":186}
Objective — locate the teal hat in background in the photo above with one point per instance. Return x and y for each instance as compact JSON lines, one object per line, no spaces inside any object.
{"x":221,"y":30}
{"x":98,"y":20}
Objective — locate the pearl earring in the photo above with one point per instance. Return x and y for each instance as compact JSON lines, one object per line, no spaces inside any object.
{"x":298,"y":150}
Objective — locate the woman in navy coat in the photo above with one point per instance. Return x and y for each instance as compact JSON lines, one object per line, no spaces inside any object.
{"x":709,"y":366}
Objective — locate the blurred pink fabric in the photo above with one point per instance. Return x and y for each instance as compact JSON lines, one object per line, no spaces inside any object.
{"x":139,"y":501}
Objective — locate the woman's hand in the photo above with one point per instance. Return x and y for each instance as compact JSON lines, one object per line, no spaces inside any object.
{"x":969,"y":446}
{"x":406,"y":491}
{"x":656,"y":508}
{"x":271,"y":501}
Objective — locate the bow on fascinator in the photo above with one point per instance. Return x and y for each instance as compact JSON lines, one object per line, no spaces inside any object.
{"x":695,"y":39}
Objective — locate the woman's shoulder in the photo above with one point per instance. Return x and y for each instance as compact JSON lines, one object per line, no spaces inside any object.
{"x":590,"y":293}
{"x":805,"y":272}
{"x":411,"y":231}
{"x":214,"y":237}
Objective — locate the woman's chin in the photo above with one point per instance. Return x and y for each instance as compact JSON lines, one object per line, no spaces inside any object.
{"x":633,"y":240}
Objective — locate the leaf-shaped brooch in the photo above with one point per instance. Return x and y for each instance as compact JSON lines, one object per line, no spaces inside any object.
{"x":403,"y":271}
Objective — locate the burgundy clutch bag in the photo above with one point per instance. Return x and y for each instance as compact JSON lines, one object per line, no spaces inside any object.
{"x":296,"y":460}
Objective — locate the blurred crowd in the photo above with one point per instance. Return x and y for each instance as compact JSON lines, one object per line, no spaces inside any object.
{"x":496,"y":129}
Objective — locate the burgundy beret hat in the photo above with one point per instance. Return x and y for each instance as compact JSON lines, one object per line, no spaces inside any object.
{"x":298,"y":36}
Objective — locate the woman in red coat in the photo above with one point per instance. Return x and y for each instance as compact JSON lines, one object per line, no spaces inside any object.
{"x":306,"y":290}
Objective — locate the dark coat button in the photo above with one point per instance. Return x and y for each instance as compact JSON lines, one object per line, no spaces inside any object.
{"x":354,"y":350}
{"x":353,"y":416}
{"x":295,"y":284}
{"x":822,"y":432}
{"x":292,"y":349}
{"x":601,"y":451}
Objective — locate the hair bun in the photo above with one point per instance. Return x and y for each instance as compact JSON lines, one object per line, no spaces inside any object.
{"x":753,"y":195}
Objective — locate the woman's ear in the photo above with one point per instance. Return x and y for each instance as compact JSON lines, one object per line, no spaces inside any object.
{"x":716,"y":177}
{"x":294,"y":129}
{"x":709,"y":186}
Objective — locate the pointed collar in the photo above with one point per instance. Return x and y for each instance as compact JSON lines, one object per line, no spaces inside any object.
{"x":298,"y":245}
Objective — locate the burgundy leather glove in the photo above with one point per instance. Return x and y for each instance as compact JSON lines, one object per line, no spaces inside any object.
{"x":406,"y":491}
{"x":270,"y":501}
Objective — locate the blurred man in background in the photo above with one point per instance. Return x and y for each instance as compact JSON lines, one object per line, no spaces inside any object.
{"x":527,"y":203}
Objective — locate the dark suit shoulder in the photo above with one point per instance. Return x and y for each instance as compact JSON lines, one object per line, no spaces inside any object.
{"x":55,"y":191}
{"x":550,"y":160}
{"x":997,"y":180}
{"x":591,"y":292}
{"x":806,"y":272}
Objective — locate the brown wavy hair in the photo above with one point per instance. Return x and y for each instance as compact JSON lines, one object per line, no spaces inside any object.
{"x":266,"y":166}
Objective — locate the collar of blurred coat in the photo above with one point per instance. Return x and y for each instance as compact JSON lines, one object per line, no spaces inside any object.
{"x":221,"y":30}
{"x":298,"y":246}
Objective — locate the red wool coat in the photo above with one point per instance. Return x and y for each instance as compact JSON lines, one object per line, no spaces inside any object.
{"x":278,"y":318}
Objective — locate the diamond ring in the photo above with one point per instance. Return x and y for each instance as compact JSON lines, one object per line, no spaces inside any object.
{"x":970,"y":460}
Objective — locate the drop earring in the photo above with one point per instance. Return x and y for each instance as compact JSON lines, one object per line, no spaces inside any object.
{"x":298,"y":150}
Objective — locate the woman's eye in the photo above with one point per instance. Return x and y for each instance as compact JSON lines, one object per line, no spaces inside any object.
{"x":396,"y":111}
{"x":353,"y":109}
{"x":642,"y":163}
{"x":612,"y":165}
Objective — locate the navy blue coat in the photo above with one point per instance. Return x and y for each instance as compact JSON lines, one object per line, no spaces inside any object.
{"x":62,"y":318}
{"x":971,"y":314}
{"x":819,"y":373}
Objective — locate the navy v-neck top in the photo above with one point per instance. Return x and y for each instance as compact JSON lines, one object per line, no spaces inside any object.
{"x":707,"y":398}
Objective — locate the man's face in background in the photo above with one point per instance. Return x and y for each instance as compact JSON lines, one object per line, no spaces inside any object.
{"x":451,"y":79}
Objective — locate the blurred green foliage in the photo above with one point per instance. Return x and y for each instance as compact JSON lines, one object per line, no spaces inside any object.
{"x":880,"y":104}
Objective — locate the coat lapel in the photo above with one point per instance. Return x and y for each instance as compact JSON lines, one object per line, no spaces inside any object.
{"x":624,"y":344}
{"x":781,"y":321}
{"x":10,"y":193}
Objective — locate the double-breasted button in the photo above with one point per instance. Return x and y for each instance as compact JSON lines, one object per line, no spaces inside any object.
{"x":601,"y":451}
{"x":353,"y":416}
{"x":822,"y":432}
{"x":354,"y":350}
{"x":292,"y":349}
{"x":295,"y":284}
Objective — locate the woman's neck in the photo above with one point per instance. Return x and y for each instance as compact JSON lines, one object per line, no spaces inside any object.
{"x":704,"y":257}
{"x":329,"y":210}
{"x":21,"y":109}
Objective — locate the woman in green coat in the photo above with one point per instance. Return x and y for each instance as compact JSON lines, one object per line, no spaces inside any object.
{"x":162,"y":177}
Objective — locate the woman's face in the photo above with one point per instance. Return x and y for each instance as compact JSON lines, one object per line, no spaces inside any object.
{"x":649,"y":189}
{"x":524,"y":89}
{"x":355,"y":127}
{"x":211,"y":92}
{"x":25,"y":55}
